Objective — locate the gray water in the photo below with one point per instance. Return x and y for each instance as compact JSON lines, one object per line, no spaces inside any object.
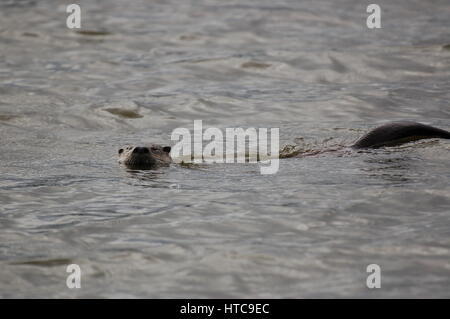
{"x":139,"y":69}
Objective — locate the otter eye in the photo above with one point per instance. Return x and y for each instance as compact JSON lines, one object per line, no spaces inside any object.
{"x":167,"y":149}
{"x":121,"y":151}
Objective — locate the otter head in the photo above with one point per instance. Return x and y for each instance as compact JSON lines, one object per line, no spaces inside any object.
{"x":145,"y":157}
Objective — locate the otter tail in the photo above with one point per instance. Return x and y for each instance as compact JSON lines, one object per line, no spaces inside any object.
{"x":397,"y":133}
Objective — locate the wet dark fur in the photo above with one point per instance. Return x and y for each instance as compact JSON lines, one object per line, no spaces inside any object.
{"x":155,"y":156}
{"x":397,"y":133}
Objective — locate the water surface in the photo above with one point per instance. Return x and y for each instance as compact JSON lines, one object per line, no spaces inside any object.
{"x":139,"y":69}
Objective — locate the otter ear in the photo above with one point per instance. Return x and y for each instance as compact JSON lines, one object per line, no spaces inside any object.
{"x":167,"y":149}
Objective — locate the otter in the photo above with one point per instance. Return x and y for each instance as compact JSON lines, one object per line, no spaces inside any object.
{"x":145,"y":157}
{"x":390,"y":134}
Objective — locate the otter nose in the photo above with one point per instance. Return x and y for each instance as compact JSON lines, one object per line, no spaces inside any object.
{"x":141,"y":150}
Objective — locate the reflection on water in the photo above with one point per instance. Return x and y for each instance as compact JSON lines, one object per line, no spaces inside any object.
{"x":148,"y":178}
{"x":137,"y":70}
{"x":392,"y":169}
